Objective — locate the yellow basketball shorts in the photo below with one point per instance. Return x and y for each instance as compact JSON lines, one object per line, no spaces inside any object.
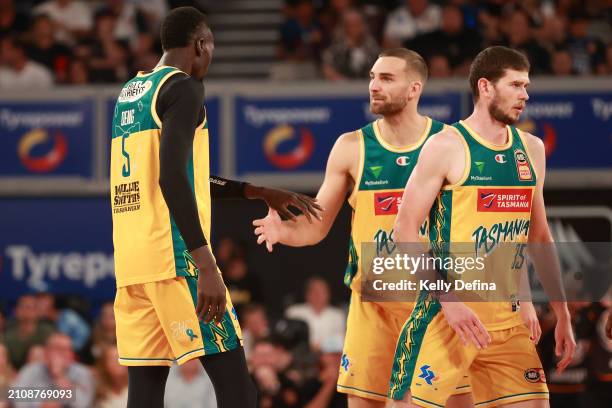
{"x":157,"y":324}
{"x":372,"y":330}
{"x":431,"y":361}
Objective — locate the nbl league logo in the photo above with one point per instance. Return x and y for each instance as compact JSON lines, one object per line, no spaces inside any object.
{"x":33,"y":143}
{"x":286,"y":148}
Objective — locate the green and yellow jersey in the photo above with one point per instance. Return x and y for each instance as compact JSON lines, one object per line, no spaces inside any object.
{"x":382,"y":175}
{"x":488,"y":206}
{"x":147,"y":242}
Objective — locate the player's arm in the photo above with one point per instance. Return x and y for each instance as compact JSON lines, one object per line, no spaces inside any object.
{"x":440,"y":162}
{"x":279,"y":200}
{"x":544,"y":256}
{"x":330,"y":197}
{"x":179,"y":108}
{"x":423,"y":186}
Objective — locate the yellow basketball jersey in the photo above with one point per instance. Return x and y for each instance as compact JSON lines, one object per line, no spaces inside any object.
{"x":376,"y":197}
{"x":489,"y":206}
{"x":148,"y":245}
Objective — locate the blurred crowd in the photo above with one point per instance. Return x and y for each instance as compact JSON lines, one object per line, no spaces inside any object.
{"x":53,"y":42}
{"x":344,"y":37}
{"x":62,"y":341}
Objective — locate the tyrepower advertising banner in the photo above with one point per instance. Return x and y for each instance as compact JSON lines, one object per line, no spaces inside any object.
{"x":47,"y":139}
{"x":576,"y":128}
{"x":277,"y":134}
{"x":58,"y":245}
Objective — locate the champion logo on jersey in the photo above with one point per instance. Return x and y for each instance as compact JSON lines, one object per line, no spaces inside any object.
{"x":387,"y":203}
{"x":500,"y":158}
{"x":402,"y":161}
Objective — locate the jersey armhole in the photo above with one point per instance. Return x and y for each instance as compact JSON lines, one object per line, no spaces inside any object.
{"x":526,"y":146}
{"x":352,"y":197}
{"x":468,"y":166}
{"x":154,"y":99}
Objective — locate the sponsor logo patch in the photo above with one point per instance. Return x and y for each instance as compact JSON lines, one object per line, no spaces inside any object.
{"x":535,"y":375}
{"x":504,"y":200}
{"x":402,"y":161}
{"x":387,"y":203}
{"x":522,"y":165}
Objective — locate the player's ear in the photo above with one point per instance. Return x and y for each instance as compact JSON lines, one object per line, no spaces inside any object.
{"x":415,"y":89}
{"x":484,"y":86}
{"x":200,"y":48}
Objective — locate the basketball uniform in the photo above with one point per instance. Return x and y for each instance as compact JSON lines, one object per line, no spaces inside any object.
{"x":156,"y":276}
{"x":491,"y":204}
{"x":373,"y":327}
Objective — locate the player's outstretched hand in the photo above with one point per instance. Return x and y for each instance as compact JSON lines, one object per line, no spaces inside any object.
{"x":565,"y":345}
{"x":280,"y":200}
{"x":211,"y":289}
{"x":466,"y":324}
{"x":609,"y":324}
{"x":268,"y":229}
{"x":530,"y":318}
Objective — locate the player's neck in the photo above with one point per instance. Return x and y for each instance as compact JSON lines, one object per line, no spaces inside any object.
{"x":486,"y":126}
{"x":176,"y":58}
{"x":403,"y":128}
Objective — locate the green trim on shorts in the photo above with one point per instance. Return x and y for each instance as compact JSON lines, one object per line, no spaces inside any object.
{"x":402,"y":372}
{"x":360,"y":390}
{"x":427,"y":402}
{"x":187,"y":353}
{"x":513,"y":395}
{"x":145,"y":359}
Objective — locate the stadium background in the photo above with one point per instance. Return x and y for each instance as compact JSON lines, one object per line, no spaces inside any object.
{"x":287,"y":78}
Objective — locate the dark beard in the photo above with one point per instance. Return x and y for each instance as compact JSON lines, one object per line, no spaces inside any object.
{"x":497,"y":114}
{"x":389,"y":107}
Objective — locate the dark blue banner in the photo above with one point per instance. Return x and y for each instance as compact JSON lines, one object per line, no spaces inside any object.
{"x":61,"y":245}
{"x":47,"y":139}
{"x":576,"y":128}
{"x":297,"y":134}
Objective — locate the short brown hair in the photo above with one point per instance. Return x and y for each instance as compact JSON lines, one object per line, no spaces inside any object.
{"x":492,"y":62}
{"x":414,"y":62}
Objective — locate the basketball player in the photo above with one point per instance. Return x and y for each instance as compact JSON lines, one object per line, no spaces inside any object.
{"x":160,"y":195}
{"x":485,"y":155}
{"x":371,"y":166}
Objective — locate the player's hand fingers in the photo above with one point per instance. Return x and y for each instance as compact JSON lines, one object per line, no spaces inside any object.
{"x":459,"y":330}
{"x":482,"y":331}
{"x":471,"y":334}
{"x":284,"y":212}
{"x":202,"y":315}
{"x":259,"y":222}
{"x":261,"y":238}
{"x":269,"y":246}
{"x":221,"y":304}
{"x":536,"y":331}
{"x":568,"y":353}
{"x":300,"y":205}
{"x":259,"y":230}
{"x":311,"y":207}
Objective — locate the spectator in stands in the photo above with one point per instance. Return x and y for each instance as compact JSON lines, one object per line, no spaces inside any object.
{"x":330,"y":19}
{"x":111,"y":380}
{"x":129,"y":20}
{"x":17,"y":70}
{"x":588,"y":53}
{"x":244,"y":287}
{"x":59,"y":370}
{"x":439,"y":67}
{"x":46,"y":50}
{"x":153,"y":12}
{"x":255,"y":326}
{"x":36,"y":354}
{"x":143,"y":56}
{"x":411,"y":19}
{"x":227,"y":249}
{"x":72,"y":19}
{"x":321,"y":391}
{"x":188,"y":386}
{"x":562,"y":63}
{"x":7,"y":372}
{"x":11,"y":21}
{"x":519,"y":36}
{"x":489,"y":28}
{"x":301,"y":36}
{"x":103,"y":335}
{"x":78,"y":73}
{"x":353,"y":52}
{"x":553,"y":33}
{"x":107,"y":57}
{"x":65,"y":320}
{"x":458,"y":43}
{"x":599,"y":386}
{"x":2,"y":323}
{"x":25,"y":331}
{"x":324,"y":321}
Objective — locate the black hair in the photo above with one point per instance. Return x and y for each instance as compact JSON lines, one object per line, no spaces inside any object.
{"x":180,"y":25}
